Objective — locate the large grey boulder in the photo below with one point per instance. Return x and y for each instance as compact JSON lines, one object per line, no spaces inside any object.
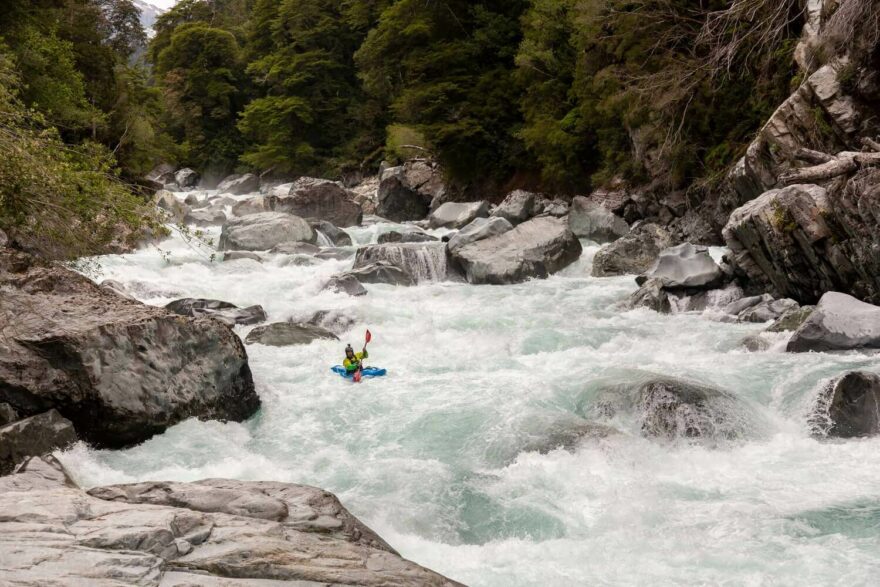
{"x":287,"y":334}
{"x":408,"y":236}
{"x":186,"y":178}
{"x":205,"y":217}
{"x":239,"y":184}
{"x":161,"y":176}
{"x":791,"y":319}
{"x":398,"y":202}
{"x":536,"y":248}
{"x":34,"y":436}
{"x":210,"y":533}
{"x":458,"y":214}
{"x":685,"y":265}
{"x":591,"y":220}
{"x":119,"y":370}
{"x":224,"y":311}
{"x":517,"y":207}
{"x":479,"y":229}
{"x":652,"y":295}
{"x":175,"y":209}
{"x":632,"y":254}
{"x":320,"y":199}
{"x":849,"y":406}
{"x":840,"y":322}
{"x":336,"y":236}
{"x":766,"y":311}
{"x":424,"y":262}
{"x":255,"y":205}
{"x":261,"y":232}
{"x":345,"y":284}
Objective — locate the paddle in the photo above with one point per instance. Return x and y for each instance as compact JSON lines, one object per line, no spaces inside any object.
{"x":359,"y":373}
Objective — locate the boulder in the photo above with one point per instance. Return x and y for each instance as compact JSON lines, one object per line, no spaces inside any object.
{"x":767,"y":311}
{"x":536,"y":248}
{"x":192,"y":200}
{"x":632,"y":254}
{"x":651,"y":295}
{"x":335,"y":254}
{"x":261,"y":232}
{"x":255,"y":205}
{"x":791,"y":319}
{"x":228,"y":313}
{"x":167,"y":201}
{"x":34,"y":436}
{"x":7,"y":414}
{"x":399,"y":202}
{"x":238,"y":255}
{"x":382,"y":272}
{"x":557,"y":208}
{"x":336,"y":236}
{"x":840,"y":322}
{"x":287,"y":334}
{"x":517,"y":207}
{"x":186,"y":178}
{"x":672,"y":408}
{"x":213,"y":533}
{"x":479,"y":229}
{"x":849,"y":406}
{"x":296,"y":249}
{"x":422,"y":261}
{"x":119,"y":370}
{"x":205,"y":217}
{"x":591,"y":220}
{"x":336,"y":321}
{"x":409,"y":236}
{"x":321,"y":200}
{"x":685,"y":265}
{"x":458,"y":214}
{"x":239,"y":184}
{"x":162,"y":175}
{"x":345,"y":284}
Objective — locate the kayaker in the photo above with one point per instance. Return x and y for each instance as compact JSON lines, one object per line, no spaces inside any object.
{"x":353,"y":360}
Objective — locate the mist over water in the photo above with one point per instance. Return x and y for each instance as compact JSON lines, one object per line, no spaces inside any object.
{"x":441,"y":457}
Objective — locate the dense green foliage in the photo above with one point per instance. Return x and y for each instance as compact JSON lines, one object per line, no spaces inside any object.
{"x":565,"y":93}
{"x":75,"y":114}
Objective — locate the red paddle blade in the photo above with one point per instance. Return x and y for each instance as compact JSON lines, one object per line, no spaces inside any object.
{"x":357,"y":376}
{"x":369,"y":336}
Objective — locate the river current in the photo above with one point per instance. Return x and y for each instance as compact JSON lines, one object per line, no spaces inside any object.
{"x":447,"y":457}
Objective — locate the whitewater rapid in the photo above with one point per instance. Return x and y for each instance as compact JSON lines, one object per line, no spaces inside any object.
{"x":439,"y":456}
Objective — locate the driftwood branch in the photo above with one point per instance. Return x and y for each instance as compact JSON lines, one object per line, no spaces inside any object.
{"x":843,"y":163}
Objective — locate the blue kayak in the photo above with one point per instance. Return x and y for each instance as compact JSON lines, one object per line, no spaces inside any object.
{"x":366,"y":372}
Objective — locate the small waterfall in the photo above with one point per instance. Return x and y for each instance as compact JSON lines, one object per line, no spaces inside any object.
{"x":323,"y":240}
{"x":424,"y":261}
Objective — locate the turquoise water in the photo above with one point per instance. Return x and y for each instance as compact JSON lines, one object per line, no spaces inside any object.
{"x":440,"y":456}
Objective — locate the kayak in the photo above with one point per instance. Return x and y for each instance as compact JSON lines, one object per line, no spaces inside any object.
{"x":365,"y":372}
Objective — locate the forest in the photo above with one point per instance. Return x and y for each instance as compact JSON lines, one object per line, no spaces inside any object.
{"x":562,"y":96}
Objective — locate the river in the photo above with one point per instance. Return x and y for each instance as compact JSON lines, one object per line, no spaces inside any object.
{"x":440,"y":457}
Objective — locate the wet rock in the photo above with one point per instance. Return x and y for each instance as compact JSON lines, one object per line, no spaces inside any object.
{"x":186,"y":178}
{"x":238,"y":255}
{"x":479,"y":229}
{"x":335,"y":254}
{"x":336,"y":236}
{"x":119,"y":370}
{"x":239,"y":184}
{"x":458,"y":214}
{"x":409,"y":236}
{"x":791,"y":319}
{"x":686,"y":265}
{"x":192,"y":200}
{"x":224,"y":311}
{"x":399,"y":198}
{"x":840,"y":322}
{"x":557,"y":208}
{"x":34,"y":436}
{"x":652,"y":295}
{"x":255,"y":205}
{"x":167,"y":201}
{"x":671,"y":408}
{"x":382,"y":272}
{"x":739,"y":306}
{"x":592,"y":220}
{"x":320,"y":199}
{"x":205,"y":217}
{"x":209,"y":533}
{"x":544,"y":435}
{"x":261,"y":232}
{"x":517,"y":207}
{"x":296,"y":249}
{"x":161,"y":176}
{"x":632,"y":254}
{"x":7,"y":414}
{"x":849,"y":406}
{"x":345,"y":284}
{"x":116,"y":287}
{"x":766,"y":311}
{"x":424,"y":262}
{"x":287,"y":334}
{"x":336,"y":321}
{"x":699,"y":300}
{"x":536,"y":248}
